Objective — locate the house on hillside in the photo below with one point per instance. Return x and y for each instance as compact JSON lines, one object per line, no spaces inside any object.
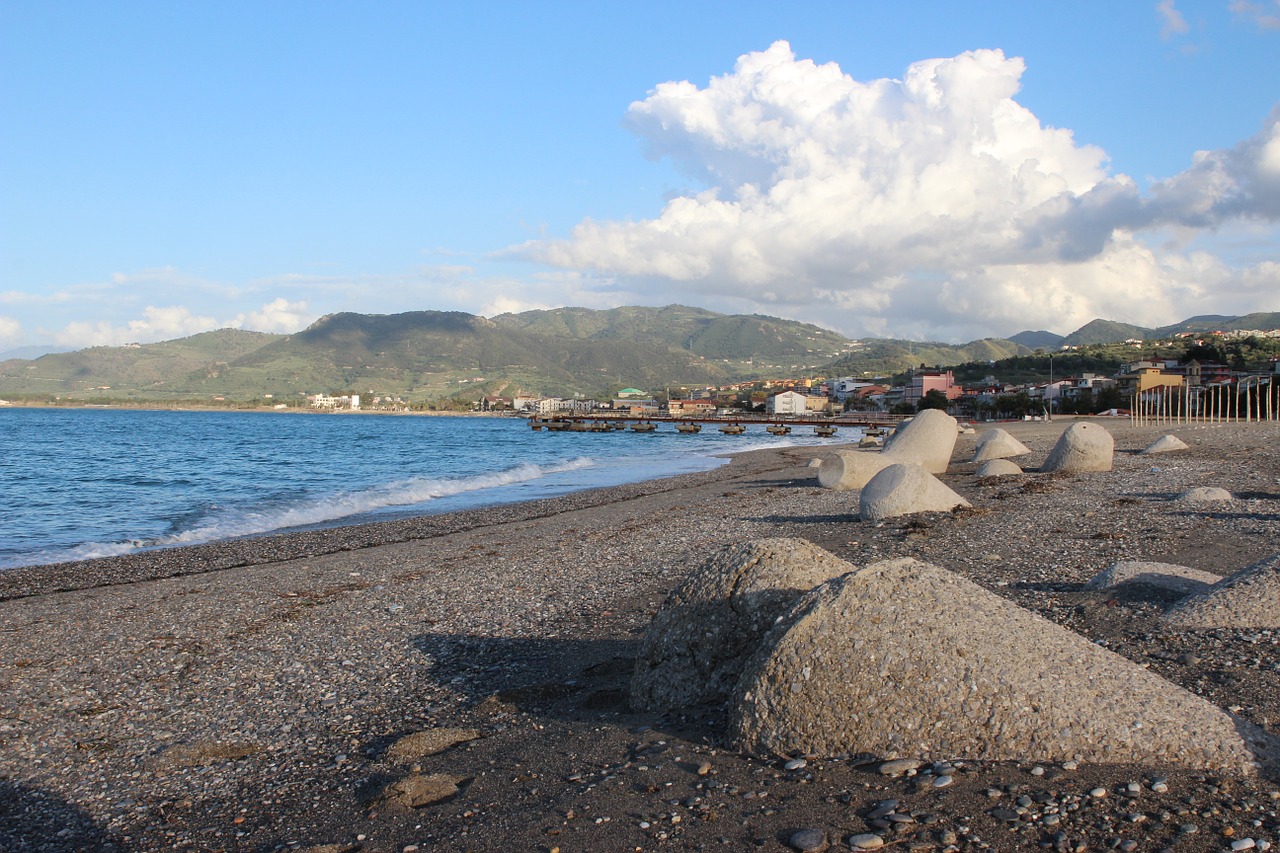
{"x":691,"y":408}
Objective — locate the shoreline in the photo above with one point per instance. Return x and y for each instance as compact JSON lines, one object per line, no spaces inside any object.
{"x":253,"y":705}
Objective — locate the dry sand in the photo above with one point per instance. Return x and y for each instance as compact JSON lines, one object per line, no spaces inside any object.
{"x":245,"y":696}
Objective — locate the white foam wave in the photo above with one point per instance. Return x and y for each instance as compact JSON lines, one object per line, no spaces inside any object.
{"x":236,"y":523}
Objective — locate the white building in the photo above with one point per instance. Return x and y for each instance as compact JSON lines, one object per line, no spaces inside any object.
{"x":786,"y":403}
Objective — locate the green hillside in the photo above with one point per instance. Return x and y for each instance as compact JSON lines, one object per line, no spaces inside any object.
{"x":884,"y":357}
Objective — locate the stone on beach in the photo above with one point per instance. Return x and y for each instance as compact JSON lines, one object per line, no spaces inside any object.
{"x":695,"y":646}
{"x":1164,"y":444}
{"x":904,"y":489}
{"x":1250,"y":598}
{"x":429,"y":742}
{"x":998,"y":468}
{"x":996,"y":443}
{"x":904,"y":659}
{"x":1082,"y":447}
{"x":1163,"y":575}
{"x":1205,"y":495}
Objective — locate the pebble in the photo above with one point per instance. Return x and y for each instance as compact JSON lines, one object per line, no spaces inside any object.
{"x":795,"y":764}
{"x":899,"y":767}
{"x":808,"y":840}
{"x":1243,"y":844}
{"x":943,"y":781}
{"x":866,"y":841}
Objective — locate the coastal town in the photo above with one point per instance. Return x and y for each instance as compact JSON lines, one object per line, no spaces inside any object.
{"x":1147,"y":380}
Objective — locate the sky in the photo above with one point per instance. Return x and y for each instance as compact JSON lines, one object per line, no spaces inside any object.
{"x":924,"y":170}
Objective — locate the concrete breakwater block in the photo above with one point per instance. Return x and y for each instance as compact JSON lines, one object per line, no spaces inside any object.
{"x":904,"y":489}
{"x":1082,"y":447}
{"x":997,"y":468}
{"x":1206,"y":495}
{"x":1248,"y":599}
{"x":694,"y":648}
{"x":903,"y":659}
{"x":927,"y":440}
{"x":1164,"y":444}
{"x":996,"y":443}
{"x":1163,"y":575}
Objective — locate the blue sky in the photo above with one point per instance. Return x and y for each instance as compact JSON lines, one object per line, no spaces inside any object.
{"x":926,"y":170}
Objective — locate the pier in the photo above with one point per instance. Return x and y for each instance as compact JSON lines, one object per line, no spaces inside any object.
{"x":617,"y":422}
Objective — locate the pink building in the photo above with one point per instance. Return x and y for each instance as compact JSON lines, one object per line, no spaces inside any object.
{"x":924,"y":381}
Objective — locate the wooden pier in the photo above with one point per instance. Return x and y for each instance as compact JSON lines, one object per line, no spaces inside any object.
{"x":872,"y":422}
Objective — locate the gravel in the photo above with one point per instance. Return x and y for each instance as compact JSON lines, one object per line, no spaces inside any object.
{"x":246,"y":696}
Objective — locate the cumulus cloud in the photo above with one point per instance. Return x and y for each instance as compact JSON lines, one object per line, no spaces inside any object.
{"x":923,"y":201}
{"x":279,"y":315}
{"x":156,"y":324}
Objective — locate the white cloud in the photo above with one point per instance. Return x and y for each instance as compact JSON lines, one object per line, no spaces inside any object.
{"x":279,"y":315}
{"x":934,"y":202}
{"x":11,"y":334}
{"x":156,"y":324}
{"x":1262,"y":14}
{"x":1171,"y":21}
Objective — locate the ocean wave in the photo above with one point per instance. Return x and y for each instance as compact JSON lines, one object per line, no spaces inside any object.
{"x":222,"y":523}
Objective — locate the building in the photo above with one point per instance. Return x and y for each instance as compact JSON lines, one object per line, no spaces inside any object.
{"x":924,"y":381}
{"x":691,"y":408}
{"x":786,"y":403}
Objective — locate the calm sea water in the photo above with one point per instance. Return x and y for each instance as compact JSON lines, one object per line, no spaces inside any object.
{"x":81,"y":483}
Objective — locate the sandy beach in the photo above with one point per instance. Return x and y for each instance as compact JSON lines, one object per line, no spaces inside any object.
{"x":246,"y":696}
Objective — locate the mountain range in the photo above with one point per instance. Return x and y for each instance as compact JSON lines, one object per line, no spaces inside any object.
{"x":432,"y":355}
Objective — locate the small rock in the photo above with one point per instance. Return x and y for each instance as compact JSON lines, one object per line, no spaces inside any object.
{"x":866,"y":841}
{"x":795,"y":764}
{"x":943,"y":781}
{"x":899,"y":767}
{"x":808,"y":840}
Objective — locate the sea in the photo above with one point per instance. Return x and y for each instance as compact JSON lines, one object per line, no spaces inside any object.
{"x":94,"y":482}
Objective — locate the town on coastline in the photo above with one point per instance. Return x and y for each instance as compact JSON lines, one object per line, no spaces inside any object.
{"x":1199,"y":378}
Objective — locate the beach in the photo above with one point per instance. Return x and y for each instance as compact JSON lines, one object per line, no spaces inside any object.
{"x":246,"y":695}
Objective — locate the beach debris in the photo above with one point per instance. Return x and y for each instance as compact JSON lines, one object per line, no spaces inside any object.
{"x":876,"y":661}
{"x":904,"y":489}
{"x":411,"y":747}
{"x":1168,"y":576}
{"x":1206,"y":495}
{"x":996,"y":443}
{"x":694,"y":648}
{"x":927,"y":440}
{"x":1250,"y":598}
{"x":1082,"y":447}
{"x":998,"y":468}
{"x":1164,"y":444}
